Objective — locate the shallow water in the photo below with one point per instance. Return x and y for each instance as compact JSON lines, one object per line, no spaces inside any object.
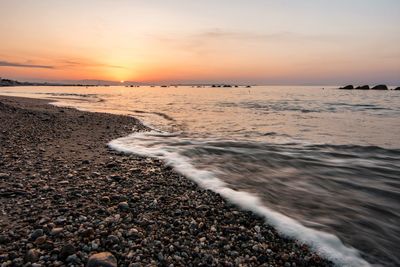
{"x":320,"y":165}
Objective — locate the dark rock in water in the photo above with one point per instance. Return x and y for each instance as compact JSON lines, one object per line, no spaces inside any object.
{"x":103,"y":259}
{"x":347,"y":87}
{"x":380,"y":87}
{"x":397,"y":89}
{"x":364,"y":87}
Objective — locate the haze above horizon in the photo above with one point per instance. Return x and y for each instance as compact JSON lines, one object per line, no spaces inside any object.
{"x":255,"y":42}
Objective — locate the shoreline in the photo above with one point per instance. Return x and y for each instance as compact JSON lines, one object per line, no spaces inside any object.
{"x":65,"y":196}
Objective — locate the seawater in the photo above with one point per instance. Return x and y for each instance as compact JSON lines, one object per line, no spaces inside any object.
{"x":321,"y":165}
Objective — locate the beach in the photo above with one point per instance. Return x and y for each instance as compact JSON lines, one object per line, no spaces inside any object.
{"x":66,"y":196}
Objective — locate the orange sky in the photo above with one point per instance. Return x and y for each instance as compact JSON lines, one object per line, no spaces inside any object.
{"x":262,"y":42}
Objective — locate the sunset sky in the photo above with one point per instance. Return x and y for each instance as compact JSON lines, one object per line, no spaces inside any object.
{"x":253,"y":41}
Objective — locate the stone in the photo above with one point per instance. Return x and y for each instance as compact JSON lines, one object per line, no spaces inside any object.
{"x":112,"y":239}
{"x":56,"y":231}
{"x":103,"y":259}
{"x":4,"y":239}
{"x":72,"y":259}
{"x":123,"y":205}
{"x":380,"y":87}
{"x":116,"y":178}
{"x":37,"y":233}
{"x":4,"y":175}
{"x":40,"y":240}
{"x":347,"y":87}
{"x":32,"y":255}
{"x":364,"y":87}
{"x":67,"y":250}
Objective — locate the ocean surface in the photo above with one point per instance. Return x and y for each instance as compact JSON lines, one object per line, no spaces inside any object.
{"x":321,"y":165}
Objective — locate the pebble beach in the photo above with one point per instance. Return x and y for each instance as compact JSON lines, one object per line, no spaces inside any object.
{"x":66,"y":199}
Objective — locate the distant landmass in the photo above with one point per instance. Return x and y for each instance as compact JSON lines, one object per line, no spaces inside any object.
{"x":9,"y":82}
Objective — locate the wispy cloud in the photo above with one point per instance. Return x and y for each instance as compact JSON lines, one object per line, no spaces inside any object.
{"x":217,"y":34}
{"x":208,"y":40}
{"x":23,"y":65}
{"x":85,"y":63}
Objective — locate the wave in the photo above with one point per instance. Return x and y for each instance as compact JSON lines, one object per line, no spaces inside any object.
{"x":153,"y":144}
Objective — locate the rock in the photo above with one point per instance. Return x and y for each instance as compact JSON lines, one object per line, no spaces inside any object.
{"x":56,"y":231}
{"x":380,"y":87}
{"x":32,"y":255}
{"x":4,"y":175}
{"x":112,"y":239}
{"x":103,"y":259}
{"x":105,"y":199}
{"x":364,"y":87}
{"x":40,"y":240}
{"x":116,"y":178}
{"x":111,"y":165}
{"x":37,"y":233}
{"x":123,"y":205}
{"x":347,"y":87}
{"x":72,"y":259}
{"x":87,"y":232}
{"x":4,"y":239}
{"x":67,"y":250}
{"x":397,"y":89}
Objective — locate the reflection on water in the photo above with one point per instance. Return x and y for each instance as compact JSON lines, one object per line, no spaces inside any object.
{"x":328,"y":158}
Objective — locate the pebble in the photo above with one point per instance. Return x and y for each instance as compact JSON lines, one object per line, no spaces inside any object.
{"x":40,"y":240}
{"x":103,"y":259}
{"x":32,"y":255}
{"x":67,"y":250}
{"x":4,"y":175}
{"x":72,"y":259}
{"x":37,"y":233}
{"x":56,"y":231}
{"x":112,"y":239}
{"x":123,"y":205}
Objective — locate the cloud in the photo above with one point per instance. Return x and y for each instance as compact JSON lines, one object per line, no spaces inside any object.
{"x":77,"y":63}
{"x":216,"y":34}
{"x":22,"y":65}
{"x":208,"y":41}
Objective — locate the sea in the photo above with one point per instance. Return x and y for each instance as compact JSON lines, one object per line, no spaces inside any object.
{"x":321,"y":165}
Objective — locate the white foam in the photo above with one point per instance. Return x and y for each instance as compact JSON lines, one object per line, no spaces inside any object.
{"x":327,"y":245}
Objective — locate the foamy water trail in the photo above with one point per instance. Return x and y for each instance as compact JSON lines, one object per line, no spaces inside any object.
{"x":153,"y":144}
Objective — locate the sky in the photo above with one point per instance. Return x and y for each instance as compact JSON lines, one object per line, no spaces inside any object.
{"x":237,"y":41}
